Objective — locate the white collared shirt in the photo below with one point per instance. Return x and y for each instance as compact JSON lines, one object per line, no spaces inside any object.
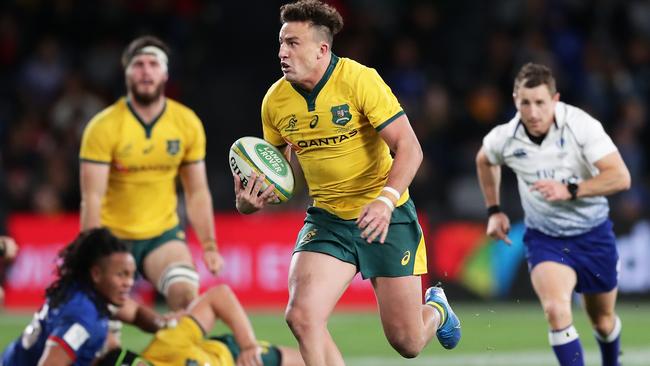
{"x":573,"y":144}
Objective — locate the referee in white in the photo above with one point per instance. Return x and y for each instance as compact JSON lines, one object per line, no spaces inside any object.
{"x":565,"y":165}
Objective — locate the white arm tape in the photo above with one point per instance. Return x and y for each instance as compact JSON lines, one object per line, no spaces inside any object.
{"x":392,"y":191}
{"x":387,"y":201}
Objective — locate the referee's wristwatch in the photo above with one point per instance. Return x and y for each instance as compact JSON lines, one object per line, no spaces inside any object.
{"x":573,"y":190}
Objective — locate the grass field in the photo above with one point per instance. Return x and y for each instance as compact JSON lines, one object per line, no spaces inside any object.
{"x":493,"y":334}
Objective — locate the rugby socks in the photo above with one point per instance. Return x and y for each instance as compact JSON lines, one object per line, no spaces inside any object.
{"x":567,"y":347}
{"x":610,"y":345}
{"x":441,"y":310}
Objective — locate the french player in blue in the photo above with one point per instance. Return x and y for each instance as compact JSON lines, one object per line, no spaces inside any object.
{"x":95,"y":272}
{"x":565,"y":165}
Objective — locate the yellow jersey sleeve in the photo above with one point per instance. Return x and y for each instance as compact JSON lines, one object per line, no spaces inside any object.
{"x":375,"y":99}
{"x":270,"y":131}
{"x":195,"y":150}
{"x":97,"y":142}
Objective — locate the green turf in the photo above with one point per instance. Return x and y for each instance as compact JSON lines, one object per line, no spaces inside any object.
{"x":511,"y":327}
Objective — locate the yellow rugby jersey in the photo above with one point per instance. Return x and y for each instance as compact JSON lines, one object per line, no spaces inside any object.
{"x":140,"y":200}
{"x":185,"y":344}
{"x":334,"y":132}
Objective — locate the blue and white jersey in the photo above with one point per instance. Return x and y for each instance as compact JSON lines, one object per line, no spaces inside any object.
{"x":568,"y":153}
{"x":76,"y":325}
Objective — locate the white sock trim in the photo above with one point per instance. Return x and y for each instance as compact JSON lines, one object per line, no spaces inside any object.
{"x":563,"y":336}
{"x":618,"y":325}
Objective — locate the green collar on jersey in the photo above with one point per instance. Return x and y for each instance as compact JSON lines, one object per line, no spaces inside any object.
{"x":148,"y":127}
{"x":311,"y":97}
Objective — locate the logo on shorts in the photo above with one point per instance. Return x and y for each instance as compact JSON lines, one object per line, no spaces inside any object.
{"x":311,"y":234}
{"x":173,"y":146}
{"x":406,"y":258}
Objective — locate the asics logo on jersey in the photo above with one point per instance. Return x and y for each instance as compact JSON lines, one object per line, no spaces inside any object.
{"x":341,"y":114}
{"x":327,"y":140}
{"x":519,"y":153}
{"x":406,"y":258}
{"x":147,"y":149}
{"x":313,"y":122}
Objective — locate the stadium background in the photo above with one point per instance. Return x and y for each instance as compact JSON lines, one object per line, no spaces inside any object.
{"x":451,"y":64}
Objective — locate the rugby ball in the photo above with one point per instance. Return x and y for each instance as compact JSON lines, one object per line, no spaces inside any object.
{"x":251,"y":154}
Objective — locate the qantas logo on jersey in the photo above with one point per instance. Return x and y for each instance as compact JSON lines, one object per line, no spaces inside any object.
{"x":141,"y":168}
{"x":324,"y":141}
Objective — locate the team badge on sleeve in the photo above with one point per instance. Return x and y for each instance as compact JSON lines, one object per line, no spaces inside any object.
{"x":76,"y":336}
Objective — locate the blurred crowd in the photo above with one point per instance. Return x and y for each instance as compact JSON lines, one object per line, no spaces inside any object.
{"x":451,"y":64}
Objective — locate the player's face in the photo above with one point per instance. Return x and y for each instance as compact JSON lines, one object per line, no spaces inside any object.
{"x":146,"y":78}
{"x":113,"y":277}
{"x":536,"y":106}
{"x":299,"y":52}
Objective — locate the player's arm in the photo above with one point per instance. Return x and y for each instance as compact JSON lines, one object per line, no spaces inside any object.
{"x":407,"y":153}
{"x":141,"y":316}
{"x":93,"y":180}
{"x":221,"y":303}
{"x":613,"y":177}
{"x":54,"y":355}
{"x":199,"y":210}
{"x":8,"y":248}
{"x":489,"y":178}
{"x":375,"y":217}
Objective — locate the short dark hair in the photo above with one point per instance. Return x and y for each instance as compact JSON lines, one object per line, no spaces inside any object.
{"x":532,"y":75}
{"x":316,"y":12}
{"x":139,"y":43}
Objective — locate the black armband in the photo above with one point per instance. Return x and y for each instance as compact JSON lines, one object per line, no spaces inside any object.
{"x":493,"y":209}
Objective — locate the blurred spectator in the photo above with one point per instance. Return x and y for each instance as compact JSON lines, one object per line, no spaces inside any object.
{"x":8,"y":248}
{"x":450,"y":63}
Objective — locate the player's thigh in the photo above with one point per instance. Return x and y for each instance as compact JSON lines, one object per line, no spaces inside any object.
{"x":172,"y":252}
{"x":317,"y":281}
{"x":600,"y":304}
{"x":553,"y":282}
{"x":400,"y":302}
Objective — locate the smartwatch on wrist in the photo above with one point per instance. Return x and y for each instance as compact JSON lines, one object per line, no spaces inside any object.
{"x":573,"y":190}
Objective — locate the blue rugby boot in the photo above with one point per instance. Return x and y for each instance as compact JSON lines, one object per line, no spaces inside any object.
{"x":448,"y":332}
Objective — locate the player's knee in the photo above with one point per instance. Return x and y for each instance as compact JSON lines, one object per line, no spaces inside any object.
{"x":300,"y":321}
{"x":179,"y":284}
{"x":558,"y":313}
{"x":406,"y":345}
{"x":180,"y":296}
{"x":604,"y":323}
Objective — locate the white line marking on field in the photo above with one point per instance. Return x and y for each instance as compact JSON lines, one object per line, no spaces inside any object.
{"x":631,"y":357}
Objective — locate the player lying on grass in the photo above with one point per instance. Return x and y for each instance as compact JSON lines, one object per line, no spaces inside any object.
{"x":95,"y":274}
{"x":187,"y":344}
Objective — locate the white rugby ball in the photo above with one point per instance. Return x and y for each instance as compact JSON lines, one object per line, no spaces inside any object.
{"x":249,"y":154}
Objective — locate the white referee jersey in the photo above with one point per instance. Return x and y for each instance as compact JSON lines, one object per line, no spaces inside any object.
{"x":573,"y":144}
